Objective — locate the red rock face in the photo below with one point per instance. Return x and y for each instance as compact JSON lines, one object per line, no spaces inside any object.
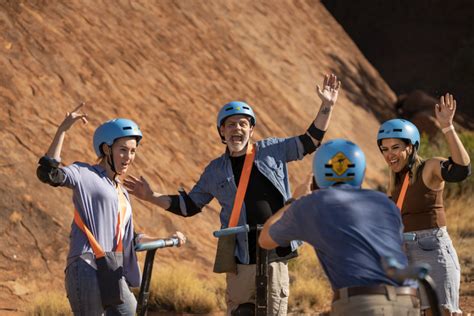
{"x":169,"y":66}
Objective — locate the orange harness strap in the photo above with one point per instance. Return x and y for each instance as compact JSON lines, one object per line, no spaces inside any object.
{"x":98,"y":251}
{"x":242,"y":188}
{"x":403,"y":191}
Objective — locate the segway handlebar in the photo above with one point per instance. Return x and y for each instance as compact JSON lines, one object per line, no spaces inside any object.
{"x":157,"y":244}
{"x":231,"y":231}
{"x":399,"y":273}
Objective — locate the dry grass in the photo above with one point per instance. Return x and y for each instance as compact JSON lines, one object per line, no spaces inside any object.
{"x":50,"y":303}
{"x":180,"y":289}
{"x":460,"y":217}
{"x":309,"y":288}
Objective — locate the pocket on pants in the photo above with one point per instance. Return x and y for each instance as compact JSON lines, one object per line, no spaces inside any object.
{"x":428,"y":243}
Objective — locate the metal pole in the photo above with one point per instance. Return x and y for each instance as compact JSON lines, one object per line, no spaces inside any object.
{"x":142,"y":304}
{"x":261,"y":278}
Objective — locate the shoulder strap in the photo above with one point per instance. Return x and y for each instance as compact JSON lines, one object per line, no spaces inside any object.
{"x":96,"y":248}
{"x":242,"y":188}
{"x":98,"y":251}
{"x":403,"y":191}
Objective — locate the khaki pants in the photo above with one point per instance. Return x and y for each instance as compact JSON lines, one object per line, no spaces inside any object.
{"x":390,"y":304}
{"x":241,"y":287}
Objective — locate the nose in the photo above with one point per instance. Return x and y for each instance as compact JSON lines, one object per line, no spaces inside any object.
{"x":128,"y":155}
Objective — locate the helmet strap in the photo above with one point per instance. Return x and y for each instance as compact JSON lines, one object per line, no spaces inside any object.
{"x":109,"y":158}
{"x":411,"y":162}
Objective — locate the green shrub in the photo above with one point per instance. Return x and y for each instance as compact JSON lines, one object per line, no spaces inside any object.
{"x":437,"y":147}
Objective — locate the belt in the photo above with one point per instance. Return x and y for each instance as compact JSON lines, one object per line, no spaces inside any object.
{"x":375,"y":290}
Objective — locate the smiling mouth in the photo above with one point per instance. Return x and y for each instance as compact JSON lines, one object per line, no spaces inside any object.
{"x":237,"y":138}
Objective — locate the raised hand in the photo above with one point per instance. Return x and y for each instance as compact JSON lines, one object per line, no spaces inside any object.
{"x":138,"y":187}
{"x":73,"y":117}
{"x":445,"y":109}
{"x":330,"y":90}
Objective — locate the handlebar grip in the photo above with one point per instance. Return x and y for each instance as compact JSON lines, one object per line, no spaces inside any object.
{"x":399,"y":273}
{"x":232,"y":231}
{"x":157,"y":244}
{"x":409,"y":236}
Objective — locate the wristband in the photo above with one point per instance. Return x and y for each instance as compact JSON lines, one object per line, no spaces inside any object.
{"x":315,"y":132}
{"x":447,"y":129}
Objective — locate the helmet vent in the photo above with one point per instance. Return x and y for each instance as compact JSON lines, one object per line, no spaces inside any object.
{"x":328,"y":174}
{"x":397,"y":130}
{"x":381,"y":131}
{"x":351,"y":174}
{"x":229,"y":108}
{"x":327,"y":166}
{"x":351,"y":165}
{"x":126,"y":127}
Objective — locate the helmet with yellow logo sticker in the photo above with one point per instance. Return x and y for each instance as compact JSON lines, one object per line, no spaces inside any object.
{"x":339,"y":161}
{"x":114,"y":129}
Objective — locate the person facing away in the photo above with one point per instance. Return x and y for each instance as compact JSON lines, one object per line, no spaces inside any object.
{"x":422,"y":209}
{"x":352,"y":230}
{"x":101,"y":204}
{"x":268,"y":190}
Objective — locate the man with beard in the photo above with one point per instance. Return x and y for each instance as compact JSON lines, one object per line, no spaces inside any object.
{"x":267,"y":191}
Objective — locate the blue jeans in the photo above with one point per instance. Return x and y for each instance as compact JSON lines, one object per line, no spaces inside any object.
{"x":83,"y":293}
{"x":434,"y":246}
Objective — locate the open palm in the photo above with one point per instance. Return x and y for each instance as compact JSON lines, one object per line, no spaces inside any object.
{"x":330,"y":89}
{"x":445,"y":109}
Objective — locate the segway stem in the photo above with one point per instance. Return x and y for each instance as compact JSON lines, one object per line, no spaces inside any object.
{"x":261,"y":276}
{"x":150,"y":248}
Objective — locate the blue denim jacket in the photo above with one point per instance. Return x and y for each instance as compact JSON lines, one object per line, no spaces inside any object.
{"x":217,"y":181}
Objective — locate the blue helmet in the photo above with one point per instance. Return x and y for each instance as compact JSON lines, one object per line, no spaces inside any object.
{"x":339,"y":161}
{"x":114,"y":129}
{"x":399,"y":128}
{"x":235,"y":108}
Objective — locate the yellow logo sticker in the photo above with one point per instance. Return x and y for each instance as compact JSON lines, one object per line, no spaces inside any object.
{"x":340,"y":163}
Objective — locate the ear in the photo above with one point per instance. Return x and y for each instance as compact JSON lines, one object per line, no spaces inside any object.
{"x":410,"y":149}
{"x":221,"y":130}
{"x":251,"y":130}
{"x":106,"y":149}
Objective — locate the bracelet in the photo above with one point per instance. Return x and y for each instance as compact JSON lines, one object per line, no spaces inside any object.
{"x":447,"y":129}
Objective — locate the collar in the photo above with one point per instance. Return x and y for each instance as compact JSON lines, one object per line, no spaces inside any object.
{"x":102,"y":172}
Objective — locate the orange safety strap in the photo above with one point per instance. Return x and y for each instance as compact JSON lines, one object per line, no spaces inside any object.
{"x":242,"y":188}
{"x":403,"y":191}
{"x":98,"y":251}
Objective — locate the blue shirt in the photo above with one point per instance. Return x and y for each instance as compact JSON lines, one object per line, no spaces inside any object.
{"x":351,"y":230}
{"x":217,"y":181}
{"x":96,"y":199}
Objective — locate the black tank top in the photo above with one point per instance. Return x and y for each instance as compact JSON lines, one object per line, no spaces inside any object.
{"x":262,"y":200}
